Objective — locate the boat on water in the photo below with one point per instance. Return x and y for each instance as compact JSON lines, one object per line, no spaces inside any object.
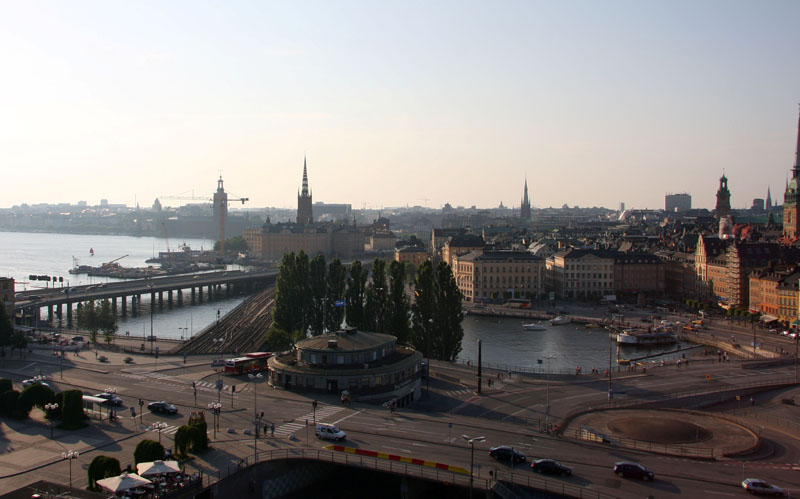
{"x":533,"y":327}
{"x":91,"y":251}
{"x":560,"y":320}
{"x":638,"y":338}
{"x":592,"y":325}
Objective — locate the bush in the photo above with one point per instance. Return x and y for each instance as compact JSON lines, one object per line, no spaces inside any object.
{"x":72,"y":410}
{"x":36,"y":395}
{"x":102,"y":467}
{"x":148,"y":450}
{"x":9,"y":405}
{"x":6,"y":385}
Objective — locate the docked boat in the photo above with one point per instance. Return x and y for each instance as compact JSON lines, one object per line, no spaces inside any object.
{"x":533,"y":327}
{"x":592,"y":325}
{"x":639,"y":338}
{"x":560,"y":320}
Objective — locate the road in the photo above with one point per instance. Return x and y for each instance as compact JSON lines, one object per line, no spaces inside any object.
{"x":423,"y":433}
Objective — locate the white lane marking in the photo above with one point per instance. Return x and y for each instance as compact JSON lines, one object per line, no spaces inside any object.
{"x":346,"y":417}
{"x":719,"y":493}
{"x":396,"y":448}
{"x":29,"y":365}
{"x":418,"y":445}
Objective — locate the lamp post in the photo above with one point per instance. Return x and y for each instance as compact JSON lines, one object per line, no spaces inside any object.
{"x":471,"y":441}
{"x":547,"y":392}
{"x":215,"y":408}
{"x":183,"y":331}
{"x":159,"y":426}
{"x":219,"y":342}
{"x":256,"y":419}
{"x":70,"y":455}
{"x":152,"y":306}
{"x":49,"y":408}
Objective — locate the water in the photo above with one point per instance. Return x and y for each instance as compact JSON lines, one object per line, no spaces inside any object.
{"x":23,"y":254}
{"x":504,"y":341}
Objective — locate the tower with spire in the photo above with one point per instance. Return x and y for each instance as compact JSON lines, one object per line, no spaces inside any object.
{"x":525,"y":206}
{"x":723,"y":207}
{"x":790,"y":195}
{"x":769,"y":199}
{"x":305,"y":214}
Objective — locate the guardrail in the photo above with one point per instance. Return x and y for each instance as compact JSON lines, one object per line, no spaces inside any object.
{"x":504,"y":478}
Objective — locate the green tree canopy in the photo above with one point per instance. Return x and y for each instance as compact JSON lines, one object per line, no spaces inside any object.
{"x":399,"y":308}
{"x":279,"y":339}
{"x":148,"y":450}
{"x":72,"y":415}
{"x":436,"y":313}
{"x":236,"y":243}
{"x":6,"y":331}
{"x":317,"y":286}
{"x":102,"y":467}
{"x":356,"y":284}
{"x":95,"y":317}
{"x":334,"y":294}
{"x":376,"y":300}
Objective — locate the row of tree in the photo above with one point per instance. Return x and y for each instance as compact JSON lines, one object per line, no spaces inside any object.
{"x":96,"y":317}
{"x":314,"y":297}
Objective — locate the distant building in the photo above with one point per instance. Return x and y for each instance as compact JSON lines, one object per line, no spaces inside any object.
{"x":497,"y":276}
{"x":578,"y":273}
{"x":723,"y":207}
{"x":758,"y":204}
{"x":790,"y":196}
{"x":333,"y":212}
{"x":220,"y":209}
{"x":411,"y":255}
{"x":305,"y":210}
{"x":440,"y":236}
{"x":677,"y":202}
{"x":7,"y":296}
{"x":461,"y":245}
{"x":525,"y":206}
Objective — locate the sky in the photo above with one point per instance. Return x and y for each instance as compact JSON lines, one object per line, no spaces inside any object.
{"x":398,"y":103}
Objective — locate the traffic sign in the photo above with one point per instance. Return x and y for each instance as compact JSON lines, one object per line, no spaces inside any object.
{"x":708,"y":377}
{"x":219,"y":384}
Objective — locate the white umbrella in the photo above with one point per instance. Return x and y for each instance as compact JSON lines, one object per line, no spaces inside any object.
{"x":157,"y":467}
{"x":123,"y":482}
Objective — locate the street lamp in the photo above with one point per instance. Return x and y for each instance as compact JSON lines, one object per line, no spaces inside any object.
{"x":218,"y":342}
{"x":159,"y":427}
{"x":215,"y":408}
{"x":183,"y":331}
{"x":547,"y":391}
{"x":49,"y":408}
{"x":70,"y":455}
{"x":152,"y":306}
{"x":256,"y":420}
{"x":471,"y":441}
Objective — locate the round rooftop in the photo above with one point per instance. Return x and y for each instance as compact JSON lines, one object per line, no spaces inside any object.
{"x":351,"y":340}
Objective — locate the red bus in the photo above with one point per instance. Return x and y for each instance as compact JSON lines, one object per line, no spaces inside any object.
{"x":251,"y":363}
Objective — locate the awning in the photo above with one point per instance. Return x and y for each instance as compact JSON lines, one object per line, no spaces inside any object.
{"x":768,"y":318}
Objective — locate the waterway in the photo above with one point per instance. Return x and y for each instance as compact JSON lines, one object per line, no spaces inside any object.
{"x":503,"y":339}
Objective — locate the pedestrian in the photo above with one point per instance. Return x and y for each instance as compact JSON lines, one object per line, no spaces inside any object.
{"x":272,"y":429}
{"x":679,"y":363}
{"x":752,"y":401}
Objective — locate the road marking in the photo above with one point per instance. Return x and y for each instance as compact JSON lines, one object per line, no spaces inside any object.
{"x":418,"y":445}
{"x":346,"y":417}
{"x":719,"y":493}
{"x":29,"y":365}
{"x":408,"y":451}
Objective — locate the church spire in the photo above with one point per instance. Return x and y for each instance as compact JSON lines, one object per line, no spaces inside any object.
{"x":796,"y":167}
{"x":304,"y":192}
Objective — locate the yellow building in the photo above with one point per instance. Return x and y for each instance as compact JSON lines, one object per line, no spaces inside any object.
{"x":579,"y":273}
{"x":498,"y":276}
{"x":461,"y":245}
{"x":411,"y":255}
{"x":272,"y":241}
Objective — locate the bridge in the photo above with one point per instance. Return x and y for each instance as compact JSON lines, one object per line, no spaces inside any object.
{"x":28,"y":304}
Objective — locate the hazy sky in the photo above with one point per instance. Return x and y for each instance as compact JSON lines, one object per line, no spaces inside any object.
{"x":395,"y":103}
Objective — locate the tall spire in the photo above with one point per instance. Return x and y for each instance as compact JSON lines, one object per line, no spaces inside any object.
{"x":304,"y":192}
{"x":525,"y":192}
{"x":796,"y":167}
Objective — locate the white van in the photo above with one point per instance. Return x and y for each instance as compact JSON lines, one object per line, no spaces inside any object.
{"x":330,"y":432}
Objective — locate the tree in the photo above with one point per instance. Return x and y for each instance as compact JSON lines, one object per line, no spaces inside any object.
{"x":449,"y":315}
{"x":181,"y":441}
{"x":9,"y":405}
{"x":5,"y":385}
{"x":236,"y":243}
{"x":423,"y":309}
{"x":317,"y":286}
{"x":6,"y":332}
{"x":102,"y":467}
{"x":398,"y":307}
{"x":89,"y":319}
{"x":334,"y":295}
{"x":20,"y":342}
{"x":354,"y":297}
{"x":35,"y":395}
{"x":108,"y":321}
{"x":147,"y":450}
{"x":375,"y":309}
{"x":72,"y":416}
{"x":279,"y":339}
{"x":292,"y":296}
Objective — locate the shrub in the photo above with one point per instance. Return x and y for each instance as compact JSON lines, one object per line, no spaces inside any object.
{"x":102,"y":467}
{"x":9,"y":405}
{"x":148,"y":450}
{"x":36,"y":395}
{"x":72,"y":410}
{"x":6,"y":385}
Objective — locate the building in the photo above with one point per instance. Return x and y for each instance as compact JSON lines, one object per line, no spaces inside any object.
{"x":741,"y":259}
{"x":639,"y":275}
{"x":790,"y":196}
{"x":411,"y":255}
{"x":461,"y":245}
{"x":774,"y":293}
{"x":708,"y":248}
{"x":271,"y":241}
{"x":371,"y":366}
{"x":220,"y":208}
{"x":498,"y":276}
{"x":677,"y":202}
{"x":525,"y":205}
{"x":441,"y":236}
{"x":723,"y":207}
{"x":581,"y":273}
{"x":305,"y":210}
{"x":7,"y":296}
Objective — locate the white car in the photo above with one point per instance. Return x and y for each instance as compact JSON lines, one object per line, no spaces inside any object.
{"x":29,"y":382}
{"x":329,"y":432}
{"x":757,"y":486}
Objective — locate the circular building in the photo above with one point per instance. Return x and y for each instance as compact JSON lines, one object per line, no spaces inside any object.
{"x":368,"y":365}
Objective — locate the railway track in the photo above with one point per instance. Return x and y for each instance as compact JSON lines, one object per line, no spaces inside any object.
{"x":241,"y":330}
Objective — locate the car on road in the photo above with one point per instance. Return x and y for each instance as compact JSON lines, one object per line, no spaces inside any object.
{"x":77,"y":338}
{"x":773,"y":331}
{"x":30,"y":382}
{"x":162,"y":407}
{"x":757,"y":486}
{"x":633,"y":470}
{"x":329,"y":432}
{"x":507,"y":453}
{"x":550,"y":467}
{"x":112,"y":399}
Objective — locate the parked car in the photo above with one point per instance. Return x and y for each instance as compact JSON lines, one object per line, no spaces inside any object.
{"x":507,"y":453}
{"x":29,"y":382}
{"x":757,"y":486}
{"x":163,"y":407}
{"x":773,"y":331}
{"x":633,"y":470}
{"x":77,"y":338}
{"x":329,"y":432}
{"x":112,"y":399}
{"x":550,"y":467}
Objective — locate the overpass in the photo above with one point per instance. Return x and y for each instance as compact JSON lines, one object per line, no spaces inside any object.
{"x":28,"y":304}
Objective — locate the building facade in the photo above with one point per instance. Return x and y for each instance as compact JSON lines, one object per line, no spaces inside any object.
{"x":677,"y":202}
{"x":578,"y":273}
{"x":497,"y":276}
{"x":723,"y":207}
{"x":461,"y":245}
{"x":7,"y":296}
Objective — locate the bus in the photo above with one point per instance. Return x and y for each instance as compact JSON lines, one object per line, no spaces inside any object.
{"x":251,"y":363}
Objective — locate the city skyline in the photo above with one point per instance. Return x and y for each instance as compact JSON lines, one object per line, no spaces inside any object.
{"x":393,"y":105}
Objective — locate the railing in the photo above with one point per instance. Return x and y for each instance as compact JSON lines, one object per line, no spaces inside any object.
{"x":505,"y":479}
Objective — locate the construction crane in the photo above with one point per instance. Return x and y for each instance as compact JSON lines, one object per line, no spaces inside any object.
{"x":107,"y":264}
{"x":222,"y":212}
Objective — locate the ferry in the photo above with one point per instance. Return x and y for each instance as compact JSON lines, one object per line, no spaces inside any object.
{"x":636,"y":338}
{"x":533,"y":327}
{"x":560,"y":320}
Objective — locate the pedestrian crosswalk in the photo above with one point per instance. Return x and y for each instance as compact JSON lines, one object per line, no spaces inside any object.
{"x":168,"y":430}
{"x":299,"y":423}
{"x":177,"y":384}
{"x":457,"y":393}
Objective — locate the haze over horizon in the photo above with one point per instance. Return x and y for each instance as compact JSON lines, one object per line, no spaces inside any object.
{"x":414,"y":103}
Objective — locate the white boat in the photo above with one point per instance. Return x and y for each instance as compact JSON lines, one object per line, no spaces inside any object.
{"x":658,"y":337}
{"x":560,"y":320}
{"x":533,"y":327}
